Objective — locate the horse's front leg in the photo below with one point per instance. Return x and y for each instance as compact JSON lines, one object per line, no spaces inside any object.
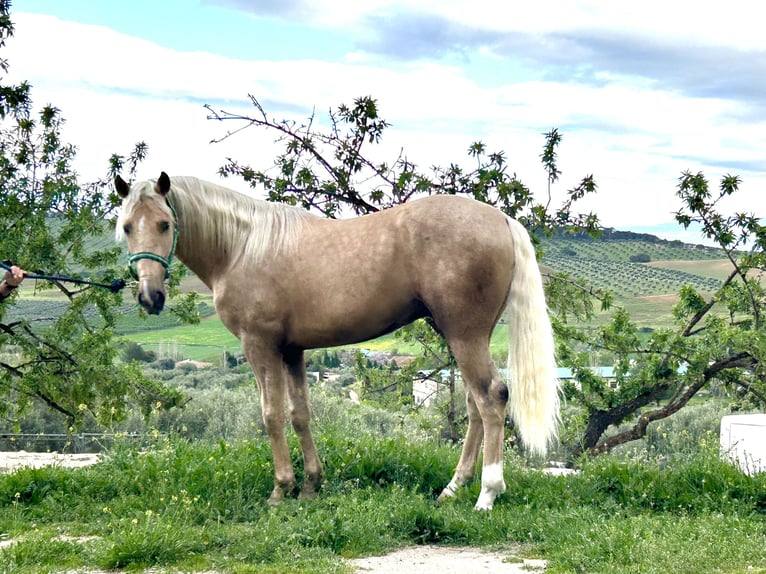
{"x":300,"y":414}
{"x":268,"y":367}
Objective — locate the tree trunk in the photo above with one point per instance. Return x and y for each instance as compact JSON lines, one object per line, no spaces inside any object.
{"x":600,"y":420}
{"x":453,"y":435}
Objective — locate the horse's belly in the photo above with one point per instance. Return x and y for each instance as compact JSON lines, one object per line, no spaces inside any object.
{"x":332,"y":325}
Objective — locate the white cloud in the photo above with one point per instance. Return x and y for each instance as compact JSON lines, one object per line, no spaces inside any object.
{"x":736,"y":23}
{"x":632,"y":135}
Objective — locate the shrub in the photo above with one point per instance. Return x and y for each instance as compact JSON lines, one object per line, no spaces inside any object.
{"x":132,"y":351}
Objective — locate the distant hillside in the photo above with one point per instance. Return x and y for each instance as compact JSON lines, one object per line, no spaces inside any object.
{"x":622,"y":245}
{"x":625,"y":262}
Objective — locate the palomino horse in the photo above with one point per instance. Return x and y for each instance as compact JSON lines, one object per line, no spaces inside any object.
{"x":284,"y":280}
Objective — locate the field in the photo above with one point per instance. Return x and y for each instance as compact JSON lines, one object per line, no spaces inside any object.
{"x":714,"y":268}
{"x":201,"y":342}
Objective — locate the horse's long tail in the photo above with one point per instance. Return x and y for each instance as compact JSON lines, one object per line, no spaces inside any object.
{"x":531,"y":361}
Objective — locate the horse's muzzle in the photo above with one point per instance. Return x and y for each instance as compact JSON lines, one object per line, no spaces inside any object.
{"x":152,"y":301}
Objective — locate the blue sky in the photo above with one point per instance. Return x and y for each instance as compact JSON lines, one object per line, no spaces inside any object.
{"x":641,"y":91}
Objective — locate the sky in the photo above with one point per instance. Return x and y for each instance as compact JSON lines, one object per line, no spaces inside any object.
{"x":641,"y":91}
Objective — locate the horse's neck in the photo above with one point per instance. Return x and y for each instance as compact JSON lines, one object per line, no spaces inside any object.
{"x":204,"y":269}
{"x":212,"y":242}
{"x":196,"y":248}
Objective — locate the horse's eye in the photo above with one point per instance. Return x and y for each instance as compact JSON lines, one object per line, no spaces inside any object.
{"x":164,"y":226}
{"x":127,"y":229}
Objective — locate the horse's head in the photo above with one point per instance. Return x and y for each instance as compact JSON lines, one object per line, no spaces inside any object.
{"x":147,"y":221}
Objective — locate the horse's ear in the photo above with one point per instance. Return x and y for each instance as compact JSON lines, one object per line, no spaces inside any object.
{"x":122,"y":188}
{"x":163,"y":184}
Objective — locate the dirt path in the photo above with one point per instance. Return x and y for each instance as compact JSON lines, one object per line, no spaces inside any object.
{"x":441,"y":560}
{"x":10,"y":461}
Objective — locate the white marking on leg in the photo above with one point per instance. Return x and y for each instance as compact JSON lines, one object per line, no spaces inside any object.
{"x":454,"y":485}
{"x":492,"y":484}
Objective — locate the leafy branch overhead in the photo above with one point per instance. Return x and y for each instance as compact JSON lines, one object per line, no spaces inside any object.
{"x":333,"y":171}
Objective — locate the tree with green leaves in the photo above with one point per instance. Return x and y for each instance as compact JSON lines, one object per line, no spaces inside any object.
{"x":331,"y":173}
{"x":716,"y":339}
{"x":65,"y":360}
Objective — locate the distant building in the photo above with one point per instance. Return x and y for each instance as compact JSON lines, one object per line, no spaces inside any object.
{"x":428,"y":384}
{"x":423,"y":390}
{"x":193,"y":363}
{"x":606,"y":373}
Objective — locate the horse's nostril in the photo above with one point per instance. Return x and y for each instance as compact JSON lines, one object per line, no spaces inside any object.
{"x":154,"y":303}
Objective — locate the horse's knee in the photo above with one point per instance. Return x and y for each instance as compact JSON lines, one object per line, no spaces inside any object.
{"x":274,"y":421}
{"x":300,"y":420}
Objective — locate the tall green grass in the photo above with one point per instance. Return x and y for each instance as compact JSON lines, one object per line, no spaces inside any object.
{"x":201,"y":506}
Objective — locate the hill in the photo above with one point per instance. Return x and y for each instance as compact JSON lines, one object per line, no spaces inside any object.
{"x":634,"y":265}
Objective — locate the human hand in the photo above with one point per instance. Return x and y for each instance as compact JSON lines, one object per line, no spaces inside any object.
{"x":15,"y":276}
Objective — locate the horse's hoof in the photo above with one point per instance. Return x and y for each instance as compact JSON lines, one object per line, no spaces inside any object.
{"x":275,"y":500}
{"x":444,"y":496}
{"x":278,"y":494}
{"x":308,"y":492}
{"x":311,"y":484}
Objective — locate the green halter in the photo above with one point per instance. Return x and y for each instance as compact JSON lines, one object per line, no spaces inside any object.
{"x":134,"y":257}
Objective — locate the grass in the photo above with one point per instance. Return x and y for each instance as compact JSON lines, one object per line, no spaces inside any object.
{"x":208,"y":338}
{"x":201,"y":507}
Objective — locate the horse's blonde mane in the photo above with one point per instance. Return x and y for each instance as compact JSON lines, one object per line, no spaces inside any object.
{"x":222,"y":221}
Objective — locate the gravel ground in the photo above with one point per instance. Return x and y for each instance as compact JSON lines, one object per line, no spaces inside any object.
{"x":441,"y":560}
{"x":10,"y":461}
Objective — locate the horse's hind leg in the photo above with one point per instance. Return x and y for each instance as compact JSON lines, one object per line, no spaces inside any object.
{"x":300,"y":414}
{"x":490,"y":397}
{"x":466,"y":466}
